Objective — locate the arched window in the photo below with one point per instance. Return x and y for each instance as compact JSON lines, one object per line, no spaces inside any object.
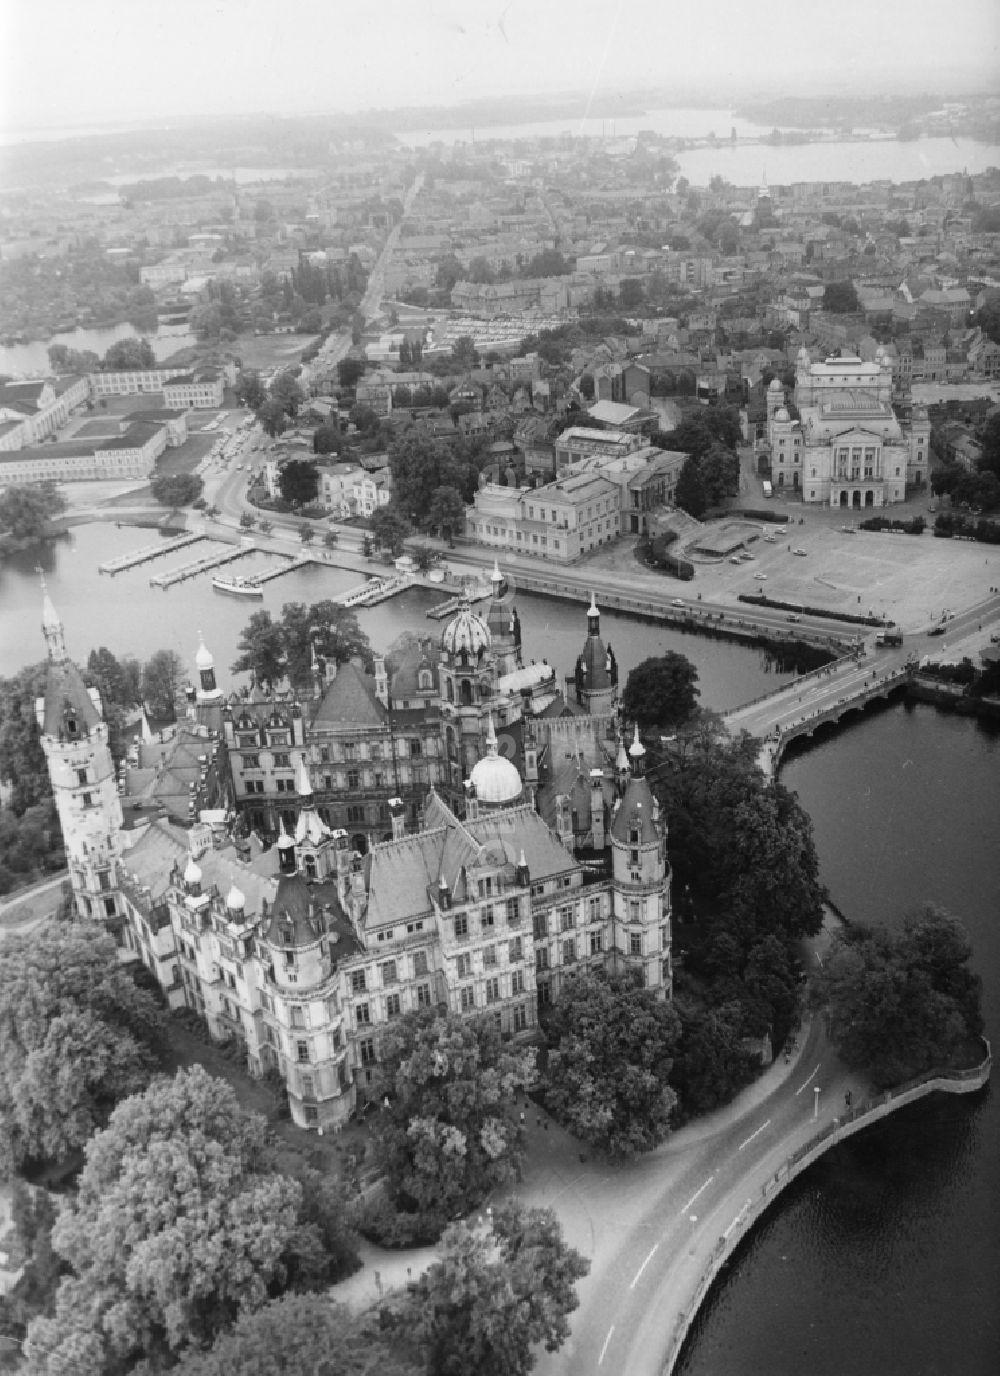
{"x":449,"y":691}
{"x":466,"y":693}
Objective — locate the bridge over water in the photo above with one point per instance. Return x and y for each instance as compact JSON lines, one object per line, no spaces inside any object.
{"x":822,"y":696}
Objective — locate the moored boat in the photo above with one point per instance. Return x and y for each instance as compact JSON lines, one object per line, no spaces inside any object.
{"x":236,"y":586}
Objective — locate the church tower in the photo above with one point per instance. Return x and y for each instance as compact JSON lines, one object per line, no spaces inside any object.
{"x":641,"y":880}
{"x":208,"y":690}
{"x":74,"y":739}
{"x":504,"y":626}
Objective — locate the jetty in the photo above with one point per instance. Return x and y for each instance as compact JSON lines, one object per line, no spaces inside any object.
{"x":292,"y":562}
{"x":374,"y":591}
{"x":196,"y":566}
{"x":150,"y":552}
{"x":449,"y":607}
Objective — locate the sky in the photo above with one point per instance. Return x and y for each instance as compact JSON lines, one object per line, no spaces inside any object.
{"x":66,"y":63}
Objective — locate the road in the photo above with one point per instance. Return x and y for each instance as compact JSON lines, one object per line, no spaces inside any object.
{"x":821,"y":692}
{"x":639,"y":1287}
{"x":338,"y":346}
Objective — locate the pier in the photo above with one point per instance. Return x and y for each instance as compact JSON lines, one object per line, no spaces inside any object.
{"x":205,"y":565}
{"x":452,"y":605}
{"x":144,"y":556}
{"x":375,"y":591}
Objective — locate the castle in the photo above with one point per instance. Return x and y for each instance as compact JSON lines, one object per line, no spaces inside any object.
{"x":305,"y":950}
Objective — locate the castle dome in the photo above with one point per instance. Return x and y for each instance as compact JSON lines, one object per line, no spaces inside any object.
{"x":775,"y":385}
{"x":192,"y":872}
{"x":235,"y":899}
{"x":782,"y":413}
{"x":495,"y":781}
{"x":466,"y":633}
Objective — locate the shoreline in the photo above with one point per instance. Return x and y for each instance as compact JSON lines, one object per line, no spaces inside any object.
{"x":867,"y":1113}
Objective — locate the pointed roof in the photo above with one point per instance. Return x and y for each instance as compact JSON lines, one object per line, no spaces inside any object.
{"x":203,"y":659}
{"x":350,"y":700}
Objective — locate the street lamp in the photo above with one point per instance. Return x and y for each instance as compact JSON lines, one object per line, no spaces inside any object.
{"x":816,"y":1102}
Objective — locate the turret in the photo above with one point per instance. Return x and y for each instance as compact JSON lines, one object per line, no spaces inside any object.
{"x":207,"y":690}
{"x":595,"y":686}
{"x":74,"y":739}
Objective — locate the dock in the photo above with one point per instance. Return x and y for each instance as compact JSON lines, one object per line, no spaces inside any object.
{"x":294,"y":562}
{"x":144,"y":556}
{"x":373,"y":592}
{"x":452,"y":605}
{"x":196,"y":566}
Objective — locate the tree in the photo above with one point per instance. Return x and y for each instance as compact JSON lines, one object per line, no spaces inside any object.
{"x":741,"y":843}
{"x":299,"y":482}
{"x":327,"y":438}
{"x":206,"y":321}
{"x":450,"y":1133}
{"x":32,"y":1215}
{"x":420,"y":466}
{"x":286,"y":391}
{"x":711,"y":1062}
{"x":662,"y":691}
{"x":249,"y":389}
{"x":22,"y":760}
{"x":176,"y":489}
{"x":261,"y":648}
{"x":988,"y":315}
{"x":247,"y":521}
{"x":898,"y":1005}
{"x":720,"y":473}
{"x":363,"y":417}
{"x":26,"y":510}
{"x":350,"y":371}
{"x":389,"y":529}
{"x":989,"y":438}
{"x":271,"y":417}
{"x":175,"y":1230}
{"x":464,"y":354}
{"x":129,"y":355}
{"x":840,"y":298}
{"x":493,"y":1296}
{"x":689,"y":494}
{"x":302,"y":1335}
{"x":162,"y":677}
{"x":610,"y":1048}
{"x":446,"y":512}
{"x":306,"y":533}
{"x":76,"y":1036}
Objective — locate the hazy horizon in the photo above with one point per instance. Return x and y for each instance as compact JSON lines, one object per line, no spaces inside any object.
{"x":133,"y":62}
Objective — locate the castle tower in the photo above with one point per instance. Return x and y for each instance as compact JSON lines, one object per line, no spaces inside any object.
{"x":504,"y":626}
{"x":468,"y":677}
{"x":596,"y":668}
{"x":641,"y":880}
{"x":313,"y":840}
{"x":208,"y":690}
{"x":74,"y":739}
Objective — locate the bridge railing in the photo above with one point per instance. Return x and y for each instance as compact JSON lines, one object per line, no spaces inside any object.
{"x":822,"y":672}
{"x":854,"y":1120}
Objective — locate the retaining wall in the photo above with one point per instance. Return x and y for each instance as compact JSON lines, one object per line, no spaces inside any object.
{"x":866,"y":1113}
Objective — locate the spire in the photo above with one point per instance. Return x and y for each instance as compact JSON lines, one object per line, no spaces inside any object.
{"x":491,"y":737}
{"x":203,"y":659}
{"x":496,"y":578}
{"x":52,"y":627}
{"x":593,"y":617}
{"x":637,"y":754}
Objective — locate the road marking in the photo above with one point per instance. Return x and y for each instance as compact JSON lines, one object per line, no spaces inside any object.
{"x":642,"y":1268}
{"x":753,"y":1135}
{"x":605,"y":1347}
{"x":738,"y":1219}
{"x":697,"y":1192}
{"x":806,"y":1083}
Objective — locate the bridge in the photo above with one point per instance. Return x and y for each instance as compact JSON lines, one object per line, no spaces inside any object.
{"x":851,"y":682}
{"x":815,"y":699}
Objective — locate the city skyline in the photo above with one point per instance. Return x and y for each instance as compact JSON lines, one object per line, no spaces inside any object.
{"x":445,"y":53}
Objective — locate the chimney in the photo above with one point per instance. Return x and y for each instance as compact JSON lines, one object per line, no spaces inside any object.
{"x":397,"y":811}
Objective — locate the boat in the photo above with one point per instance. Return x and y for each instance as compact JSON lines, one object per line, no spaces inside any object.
{"x":236,"y":586}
